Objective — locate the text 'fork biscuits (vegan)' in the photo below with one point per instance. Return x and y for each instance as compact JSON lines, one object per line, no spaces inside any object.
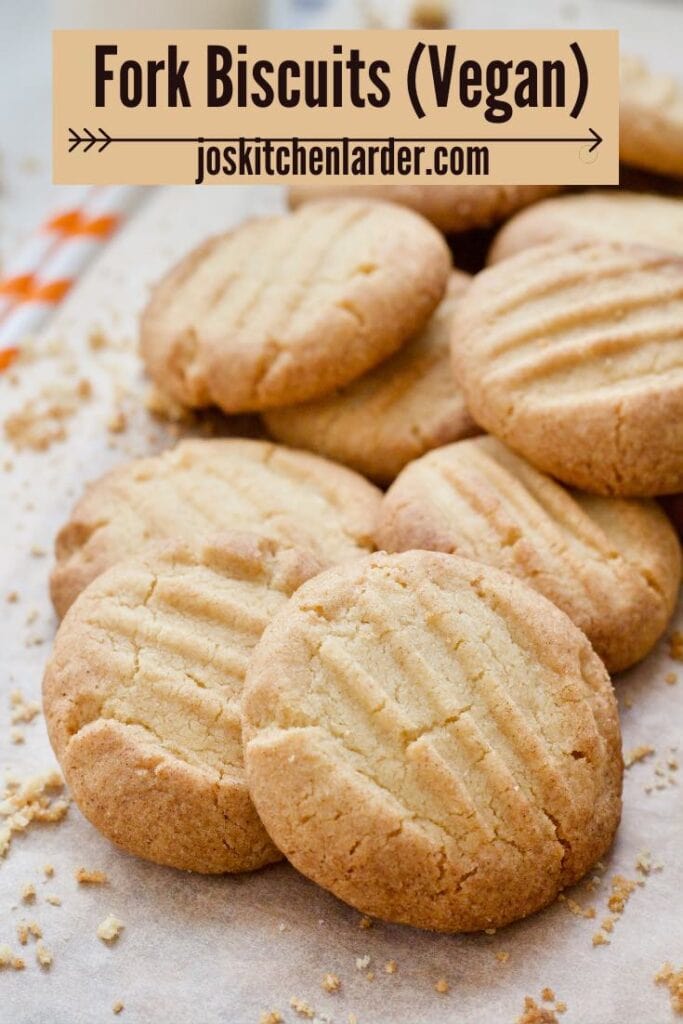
{"x":203,"y":486}
{"x":142,"y":697}
{"x":573,"y":355}
{"x":446,"y":742}
{"x":285,"y":309}
{"x":613,"y":565}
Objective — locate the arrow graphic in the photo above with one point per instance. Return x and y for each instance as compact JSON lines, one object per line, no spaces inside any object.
{"x":89,"y":139}
{"x":102,"y":139}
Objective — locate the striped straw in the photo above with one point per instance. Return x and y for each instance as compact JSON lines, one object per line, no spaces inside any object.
{"x":52,"y":261}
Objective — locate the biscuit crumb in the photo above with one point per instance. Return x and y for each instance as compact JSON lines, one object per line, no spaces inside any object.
{"x":442,"y":986}
{"x":644,"y":862}
{"x":547,"y":995}
{"x":676,"y":645}
{"x":28,"y":893}
{"x":352,"y":1019}
{"x":117,"y":422}
{"x":301,"y":1007}
{"x":48,"y":870}
{"x":671,"y":678}
{"x":331,"y":983}
{"x":22,"y":710}
{"x":117,"y":1007}
{"x":391,"y":967}
{"x":26,"y":929}
{"x":622,"y":888}
{"x":607,"y":924}
{"x":54,"y":901}
{"x":110,"y":929}
{"x":666,"y":975}
{"x":43,"y":954}
{"x":429,"y":14}
{"x":271,"y":1017}
{"x":560,"y":1007}
{"x":362,"y":962}
{"x":365,"y":922}
{"x":85,"y":877}
{"x":40,"y":422}
{"x":27,"y":802}
{"x":600,"y":940}
{"x":535,"y":1014}
{"x":503,"y":956}
{"x":16,"y":736}
{"x":637,"y":754}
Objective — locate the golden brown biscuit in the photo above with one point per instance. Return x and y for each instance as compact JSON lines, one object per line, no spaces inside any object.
{"x":142,"y":697}
{"x":395,"y":413}
{"x":283,"y":309}
{"x":202,"y":486}
{"x":650,"y":119}
{"x":632,"y":217}
{"x":450,"y":208}
{"x":445,"y":740}
{"x":573,"y":355}
{"x":614,"y":566}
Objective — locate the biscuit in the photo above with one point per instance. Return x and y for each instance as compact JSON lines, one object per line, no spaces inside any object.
{"x":445,"y":740}
{"x":650,"y":119}
{"x":613,"y":565}
{"x":284,"y":309}
{"x":450,"y":208}
{"x":395,"y":413}
{"x":142,"y":697}
{"x":573,"y":355}
{"x":631,"y":217}
{"x":203,"y":486}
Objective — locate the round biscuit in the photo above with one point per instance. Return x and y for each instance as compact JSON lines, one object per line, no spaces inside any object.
{"x":572,"y":354}
{"x":632,"y":217}
{"x":142,"y":697}
{"x":613,"y":565}
{"x":395,"y":413}
{"x":450,"y":208}
{"x":650,"y":119}
{"x":284,"y":309}
{"x":446,"y":741}
{"x":203,"y":486}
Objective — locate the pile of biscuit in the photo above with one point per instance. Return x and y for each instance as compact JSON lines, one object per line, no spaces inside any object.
{"x":404,"y":693}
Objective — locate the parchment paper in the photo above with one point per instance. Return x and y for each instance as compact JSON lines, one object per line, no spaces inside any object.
{"x":227,"y":949}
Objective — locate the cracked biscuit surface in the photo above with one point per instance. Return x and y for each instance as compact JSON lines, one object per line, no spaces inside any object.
{"x":446,"y":741}
{"x":395,"y":413}
{"x":450,"y":208}
{"x":284,"y":309}
{"x":572,"y":353}
{"x":650,"y":119}
{"x":613,"y":565}
{"x":203,"y":486}
{"x":142,"y":697}
{"x":631,"y":217}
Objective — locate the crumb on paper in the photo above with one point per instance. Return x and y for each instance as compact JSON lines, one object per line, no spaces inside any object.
{"x":117,"y":423}
{"x":362,"y":962}
{"x":16,"y":736}
{"x":442,"y":986}
{"x":117,"y":1007}
{"x":599,"y":939}
{"x":676,"y":645}
{"x":331,"y":983}
{"x":534,"y":1013}
{"x":28,"y":893}
{"x":301,"y":1007}
{"x":547,"y":995}
{"x":22,"y":710}
{"x":638,"y":754}
{"x":607,"y":924}
{"x":667,"y":975}
{"x":622,"y":888}
{"x":671,"y":678}
{"x":365,"y":922}
{"x":271,"y":1017}
{"x":54,"y":901}
{"x":503,"y":956}
{"x":30,"y":801}
{"x":110,"y":929}
{"x":48,"y":870}
{"x":9,"y":959}
{"x":574,"y":907}
{"x":26,"y":929}
{"x":644,"y":862}
{"x":390,"y":967}
{"x":43,"y":954}
{"x":41,"y":421}
{"x":85,"y":877}
{"x":12,"y":597}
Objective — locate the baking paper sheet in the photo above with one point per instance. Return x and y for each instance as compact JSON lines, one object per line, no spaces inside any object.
{"x":225,"y":950}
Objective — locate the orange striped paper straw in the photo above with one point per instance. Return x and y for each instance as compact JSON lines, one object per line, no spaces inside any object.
{"x":82,"y":233}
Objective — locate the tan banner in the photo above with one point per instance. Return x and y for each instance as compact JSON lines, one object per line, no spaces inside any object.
{"x":183,"y":107}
